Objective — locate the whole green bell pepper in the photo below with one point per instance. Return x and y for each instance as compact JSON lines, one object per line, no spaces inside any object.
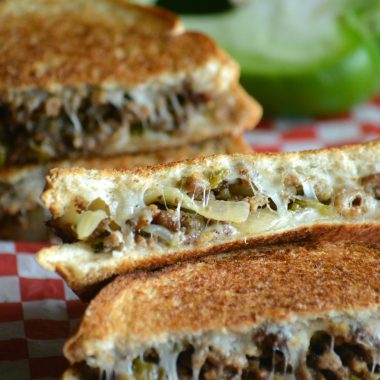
{"x":297,"y":57}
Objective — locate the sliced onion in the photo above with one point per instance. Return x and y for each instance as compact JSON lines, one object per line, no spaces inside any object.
{"x":159,"y":231}
{"x":261,"y":221}
{"x":170,"y":196}
{"x":99,"y":204}
{"x":88,"y":221}
{"x":227,"y":211}
{"x":71,"y":215}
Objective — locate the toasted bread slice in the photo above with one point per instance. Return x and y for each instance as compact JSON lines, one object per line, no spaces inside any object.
{"x":118,"y":221}
{"x":290,"y":311}
{"x":108,"y":77}
{"x":117,"y":14}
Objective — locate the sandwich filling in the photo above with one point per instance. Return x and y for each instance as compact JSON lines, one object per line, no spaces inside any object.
{"x":338,"y":349}
{"x":37,"y":126}
{"x":217,"y":207}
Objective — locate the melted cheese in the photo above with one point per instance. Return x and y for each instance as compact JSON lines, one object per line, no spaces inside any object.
{"x":236,"y":346}
{"x":264,"y":222}
{"x":232,"y":219}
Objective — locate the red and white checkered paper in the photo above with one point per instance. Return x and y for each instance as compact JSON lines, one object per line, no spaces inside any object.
{"x":37,"y":310}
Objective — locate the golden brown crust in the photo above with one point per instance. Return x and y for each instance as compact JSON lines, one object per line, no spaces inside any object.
{"x":224,"y":145}
{"x":157,"y":19}
{"x":68,"y":46}
{"x":368,"y":149}
{"x":240,"y":289}
{"x":239,"y":144}
{"x":86,"y":287}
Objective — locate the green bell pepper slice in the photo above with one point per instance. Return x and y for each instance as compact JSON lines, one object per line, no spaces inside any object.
{"x":297,"y":57}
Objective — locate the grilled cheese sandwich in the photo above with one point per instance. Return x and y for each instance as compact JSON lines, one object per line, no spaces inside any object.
{"x":98,"y":79}
{"x":307,"y":311}
{"x":117,"y":221}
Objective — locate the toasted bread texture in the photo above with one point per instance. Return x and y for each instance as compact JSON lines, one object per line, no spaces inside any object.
{"x":155,"y":216}
{"x":228,"y":305}
{"x":60,"y":42}
{"x":98,"y":79}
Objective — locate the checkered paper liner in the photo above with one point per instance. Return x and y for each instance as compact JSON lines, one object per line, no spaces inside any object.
{"x":361,"y":124}
{"x":38,"y":310}
{"x":37,"y":313}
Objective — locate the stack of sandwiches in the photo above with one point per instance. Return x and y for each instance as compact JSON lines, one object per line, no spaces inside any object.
{"x":106,"y":84}
{"x":244,"y":266}
{"x":231,"y":266}
{"x":118,"y":221}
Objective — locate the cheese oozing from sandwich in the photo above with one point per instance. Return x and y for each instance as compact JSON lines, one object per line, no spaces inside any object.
{"x":226,"y":205}
{"x":339,"y":345}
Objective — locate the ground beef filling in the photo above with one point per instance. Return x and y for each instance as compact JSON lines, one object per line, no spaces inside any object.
{"x":47,"y":127}
{"x":163,"y":221}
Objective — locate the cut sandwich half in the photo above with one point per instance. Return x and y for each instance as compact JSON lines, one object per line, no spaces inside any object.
{"x":91,"y":79}
{"x":118,"y":221}
{"x":309,"y":311}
